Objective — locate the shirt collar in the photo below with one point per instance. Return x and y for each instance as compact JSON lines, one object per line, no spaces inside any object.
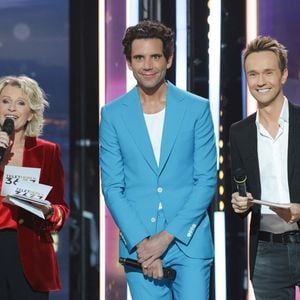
{"x":284,"y":114}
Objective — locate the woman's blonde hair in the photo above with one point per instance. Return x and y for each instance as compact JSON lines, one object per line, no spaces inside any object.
{"x":36,"y":97}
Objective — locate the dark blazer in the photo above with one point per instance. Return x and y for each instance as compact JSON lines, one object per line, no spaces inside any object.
{"x":243,"y":148}
{"x":37,"y":254}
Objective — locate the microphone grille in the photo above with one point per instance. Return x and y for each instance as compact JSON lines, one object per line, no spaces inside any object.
{"x":8,"y":126}
{"x":240,"y":175}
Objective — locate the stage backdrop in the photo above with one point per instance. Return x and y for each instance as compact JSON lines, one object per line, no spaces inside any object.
{"x":280,"y":19}
{"x":34,"y":41}
{"x":115,"y":85}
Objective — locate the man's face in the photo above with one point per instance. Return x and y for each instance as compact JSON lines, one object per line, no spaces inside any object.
{"x":148,"y":63}
{"x":264,"y":78}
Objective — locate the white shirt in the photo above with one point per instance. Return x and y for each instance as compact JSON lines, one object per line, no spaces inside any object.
{"x":272,"y":157}
{"x":155,"y":124}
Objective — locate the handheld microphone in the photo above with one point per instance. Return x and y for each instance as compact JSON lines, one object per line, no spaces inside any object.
{"x":8,"y":127}
{"x":169,"y":273}
{"x":240,"y":179}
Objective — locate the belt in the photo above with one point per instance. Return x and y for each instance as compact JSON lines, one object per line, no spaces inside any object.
{"x":286,"y":237}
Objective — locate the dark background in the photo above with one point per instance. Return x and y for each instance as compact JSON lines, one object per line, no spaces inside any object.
{"x":56,"y":42}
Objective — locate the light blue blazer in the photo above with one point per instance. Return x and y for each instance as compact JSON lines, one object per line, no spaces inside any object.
{"x":133,"y":184}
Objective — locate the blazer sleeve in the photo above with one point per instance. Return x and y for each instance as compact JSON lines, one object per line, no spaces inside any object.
{"x":56,"y":178}
{"x":113,"y":184}
{"x":47,"y":156}
{"x":37,"y":254}
{"x":236,"y":159}
{"x":195,"y":206}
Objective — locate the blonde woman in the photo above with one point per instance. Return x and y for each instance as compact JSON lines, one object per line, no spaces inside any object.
{"x":28,"y":262}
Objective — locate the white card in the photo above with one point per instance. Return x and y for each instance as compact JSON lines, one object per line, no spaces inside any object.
{"x":14,"y":175}
{"x":32,"y":192}
{"x":25,"y":205}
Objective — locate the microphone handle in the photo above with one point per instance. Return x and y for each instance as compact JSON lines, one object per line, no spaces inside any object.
{"x":2,"y":152}
{"x":242,"y":189}
{"x":168,"y":272}
{"x":8,"y":127}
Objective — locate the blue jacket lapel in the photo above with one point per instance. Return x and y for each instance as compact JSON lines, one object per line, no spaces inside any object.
{"x":175,"y":109}
{"x":135,"y":122}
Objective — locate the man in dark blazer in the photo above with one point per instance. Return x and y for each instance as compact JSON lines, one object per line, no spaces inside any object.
{"x":266,"y":147}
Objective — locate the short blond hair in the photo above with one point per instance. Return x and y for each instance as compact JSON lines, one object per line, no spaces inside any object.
{"x":36,"y":97}
{"x":267,"y":43}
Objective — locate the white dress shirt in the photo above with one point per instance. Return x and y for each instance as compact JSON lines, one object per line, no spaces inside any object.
{"x":155,"y":124}
{"x":272,"y":157}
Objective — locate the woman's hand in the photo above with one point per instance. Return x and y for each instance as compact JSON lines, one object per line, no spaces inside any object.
{"x":47,"y":210}
{"x":4,"y":140}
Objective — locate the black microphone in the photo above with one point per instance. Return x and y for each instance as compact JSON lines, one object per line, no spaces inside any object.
{"x":8,"y":127}
{"x":169,"y":273}
{"x":240,"y":178}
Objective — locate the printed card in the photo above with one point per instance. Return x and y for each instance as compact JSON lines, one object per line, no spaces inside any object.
{"x":14,"y":175}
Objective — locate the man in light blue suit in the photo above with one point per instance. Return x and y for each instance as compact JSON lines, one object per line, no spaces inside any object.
{"x":158,"y":168}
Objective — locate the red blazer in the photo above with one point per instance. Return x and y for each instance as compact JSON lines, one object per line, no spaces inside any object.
{"x":34,"y":234}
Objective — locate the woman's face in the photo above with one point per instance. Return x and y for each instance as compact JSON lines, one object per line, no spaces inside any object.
{"x":14,"y":104}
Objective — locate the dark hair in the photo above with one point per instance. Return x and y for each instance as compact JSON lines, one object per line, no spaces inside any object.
{"x":149,"y":29}
{"x":267,"y":43}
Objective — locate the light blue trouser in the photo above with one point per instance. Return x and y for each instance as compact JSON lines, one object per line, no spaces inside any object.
{"x":191,"y":283}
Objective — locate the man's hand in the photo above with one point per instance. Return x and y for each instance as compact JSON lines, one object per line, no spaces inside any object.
{"x":153,"y":248}
{"x":290,"y":215}
{"x":241,"y":204}
{"x":154,"y":270}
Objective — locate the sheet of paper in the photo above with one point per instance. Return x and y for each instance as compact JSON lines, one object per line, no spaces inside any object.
{"x":274,"y":204}
{"x":25,"y":205}
{"x":22,"y":188}
{"x":32,"y":192}
{"x":30,"y":196}
{"x":14,"y":175}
